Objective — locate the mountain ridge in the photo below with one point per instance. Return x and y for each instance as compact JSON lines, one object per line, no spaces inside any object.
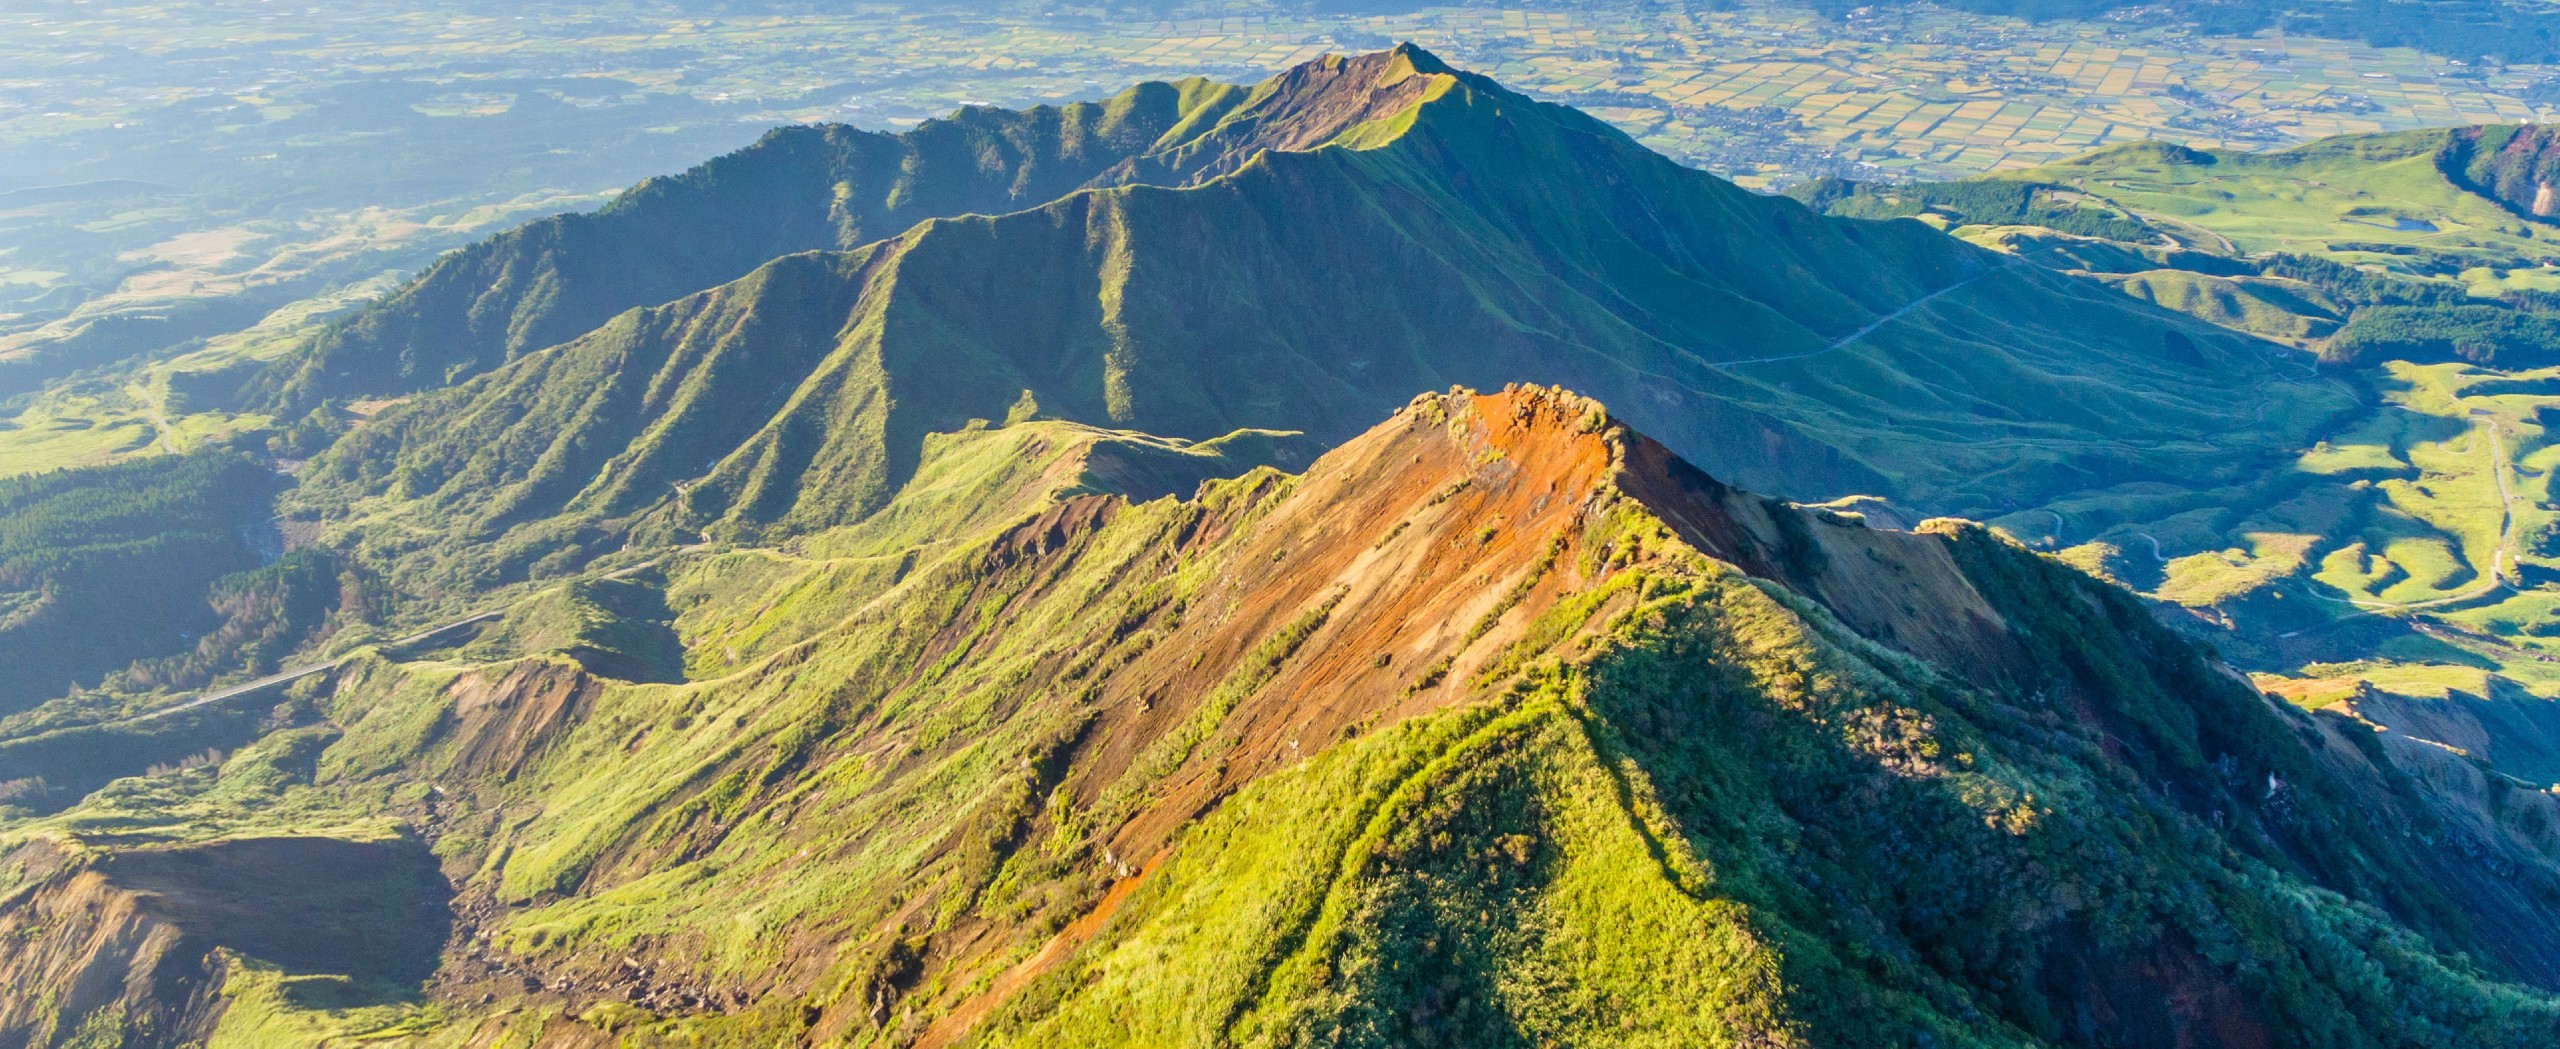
{"x":953,"y":638}
{"x":1411,"y":251}
{"x":838,"y":188}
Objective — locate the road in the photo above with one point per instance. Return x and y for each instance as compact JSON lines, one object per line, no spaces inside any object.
{"x":1879,"y":322}
{"x":296,"y":673}
{"x":308,"y":669}
{"x":2156,"y":555}
{"x":161,"y":426}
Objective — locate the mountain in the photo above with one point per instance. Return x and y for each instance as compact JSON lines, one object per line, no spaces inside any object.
{"x":1498,"y":725}
{"x":1342,"y":235}
{"x":798,"y":189}
{"x":791,"y":607}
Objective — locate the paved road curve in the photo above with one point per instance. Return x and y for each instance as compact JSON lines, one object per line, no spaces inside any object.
{"x":295,"y":673}
{"x":306,"y":670}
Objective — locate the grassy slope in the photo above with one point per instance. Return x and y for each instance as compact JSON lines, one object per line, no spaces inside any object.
{"x":166,"y":406}
{"x":1564,"y":808}
{"x":1017,"y":697}
{"x":2270,"y":309}
{"x":1475,"y":732}
{"x":972,"y":486}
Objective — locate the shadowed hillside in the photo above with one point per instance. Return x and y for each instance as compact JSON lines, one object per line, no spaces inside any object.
{"x":806,"y":188}
{"x":799,"y":188}
{"x":2402,"y":565}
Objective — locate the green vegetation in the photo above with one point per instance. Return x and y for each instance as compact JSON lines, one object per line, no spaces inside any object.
{"x":633,"y":435}
{"x":947,"y":803}
{"x":800,"y":188}
{"x":2001,"y":203}
{"x":2466,"y":30}
{"x":265,"y":1006}
{"x":323,"y":185}
{"x":893,"y":635}
{"x":2488,"y":335}
{"x":69,"y":430}
{"x":2515,"y":166}
{"x":2265,"y":308}
{"x":102,"y":566}
{"x":2410,"y":543}
{"x":613,"y":627}
{"x":2380,"y":200}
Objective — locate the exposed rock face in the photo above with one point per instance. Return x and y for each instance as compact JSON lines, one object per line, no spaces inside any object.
{"x":135,"y":943}
{"x":502,"y":720}
{"x":1028,"y":774}
{"x":2517,"y":166}
{"x":83,"y":951}
{"x":1499,"y":721}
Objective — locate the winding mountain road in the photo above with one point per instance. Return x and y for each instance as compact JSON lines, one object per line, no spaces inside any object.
{"x":2156,"y":555}
{"x":163,"y":430}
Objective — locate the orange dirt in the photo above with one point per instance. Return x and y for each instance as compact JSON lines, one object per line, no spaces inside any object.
{"x":1438,"y":538}
{"x":960,"y":1019}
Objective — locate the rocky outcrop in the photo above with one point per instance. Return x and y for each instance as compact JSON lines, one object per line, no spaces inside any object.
{"x":2516,"y":165}
{"x":132,"y":945}
{"x":85,"y":953}
{"x":1498,"y":721}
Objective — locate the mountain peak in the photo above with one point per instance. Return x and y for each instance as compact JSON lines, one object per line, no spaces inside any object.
{"x":1305,"y":106}
{"x":1420,"y":61}
{"x":1570,"y":450}
{"x":1500,"y":649}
